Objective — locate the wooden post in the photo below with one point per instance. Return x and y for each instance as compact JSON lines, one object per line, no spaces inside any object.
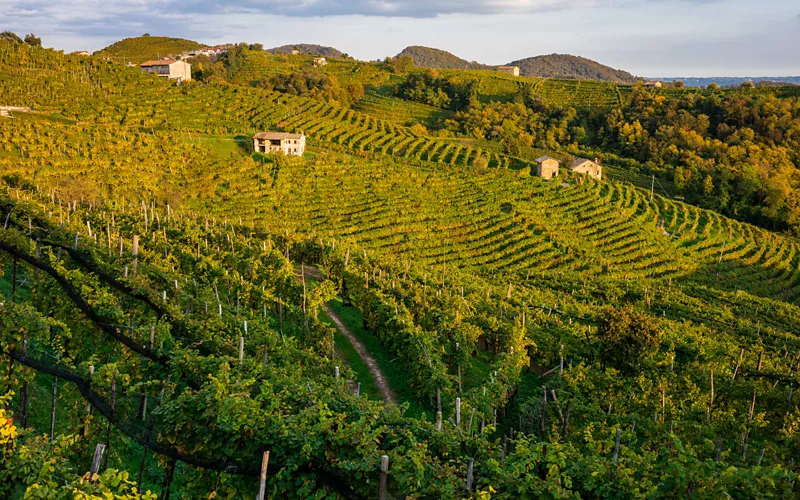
{"x":108,"y":429}
{"x":135,"y":253}
{"x":469,"y":474}
{"x":384,"y":476}
{"x":98,"y":455}
{"x":616,"y":445}
{"x":23,"y":395}
{"x":168,"y":480}
{"x":53,"y":409}
{"x":262,"y":485}
{"x":241,"y":350}
{"x":738,"y":363}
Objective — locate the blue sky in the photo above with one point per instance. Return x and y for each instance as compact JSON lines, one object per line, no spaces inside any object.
{"x":655,"y":38}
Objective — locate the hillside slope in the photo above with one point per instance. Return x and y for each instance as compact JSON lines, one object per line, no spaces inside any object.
{"x":307,"y":48}
{"x":568,"y":66}
{"x":428,"y":57}
{"x":142,"y":48}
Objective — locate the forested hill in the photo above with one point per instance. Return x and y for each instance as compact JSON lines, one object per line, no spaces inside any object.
{"x":307,"y":48}
{"x":143,"y":48}
{"x":428,"y":57}
{"x":568,"y":66}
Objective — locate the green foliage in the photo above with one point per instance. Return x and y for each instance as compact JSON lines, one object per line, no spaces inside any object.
{"x":33,"y":40}
{"x":10,"y":36}
{"x":627,"y":339}
{"x":315,"y":84}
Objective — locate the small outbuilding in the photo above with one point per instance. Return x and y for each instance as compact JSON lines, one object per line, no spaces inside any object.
{"x":547,"y":167}
{"x":587,"y":167}
{"x":653,"y":84}
{"x":511,"y":70}
{"x":320,"y":61}
{"x":279,"y":142}
{"x":170,"y":68}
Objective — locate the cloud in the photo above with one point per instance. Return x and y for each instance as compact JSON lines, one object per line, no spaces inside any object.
{"x":297,"y":8}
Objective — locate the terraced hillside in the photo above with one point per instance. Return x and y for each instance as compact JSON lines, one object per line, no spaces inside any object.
{"x":553,"y":338}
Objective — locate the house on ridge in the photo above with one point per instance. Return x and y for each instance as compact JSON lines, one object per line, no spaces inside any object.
{"x":587,"y":167}
{"x":170,"y":68}
{"x":511,"y":70}
{"x":653,"y":84}
{"x":280,"y":142}
{"x":547,"y":167}
{"x":320,"y":61}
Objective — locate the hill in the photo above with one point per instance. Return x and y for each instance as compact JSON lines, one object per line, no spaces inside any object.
{"x":306,"y":48}
{"x":568,"y":66}
{"x":143,"y":48}
{"x":427,"y":57}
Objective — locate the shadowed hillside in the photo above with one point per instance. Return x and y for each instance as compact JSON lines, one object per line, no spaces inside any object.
{"x":428,"y":57}
{"x":567,"y":66}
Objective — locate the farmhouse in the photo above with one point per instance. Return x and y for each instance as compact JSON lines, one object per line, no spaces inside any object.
{"x":279,"y":142}
{"x":587,"y":167}
{"x":81,"y":53}
{"x":320,"y":61}
{"x":170,"y":68}
{"x":547,"y":167}
{"x":653,"y":84}
{"x":511,"y":70}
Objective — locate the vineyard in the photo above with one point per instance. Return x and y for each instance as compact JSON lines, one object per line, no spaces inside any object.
{"x":162,"y":334}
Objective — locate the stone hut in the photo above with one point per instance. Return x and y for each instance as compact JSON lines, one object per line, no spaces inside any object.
{"x":547,"y":167}
{"x":587,"y":167}
{"x":279,"y":142}
{"x":511,"y":70}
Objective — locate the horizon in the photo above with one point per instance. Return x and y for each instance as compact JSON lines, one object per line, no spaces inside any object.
{"x":648,"y":38}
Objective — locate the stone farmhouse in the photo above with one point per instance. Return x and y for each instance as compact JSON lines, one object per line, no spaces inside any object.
{"x":320,"y":61}
{"x":653,"y":85}
{"x":511,"y":70}
{"x":547,"y":167}
{"x":587,"y":167}
{"x":170,"y":68}
{"x":279,"y":142}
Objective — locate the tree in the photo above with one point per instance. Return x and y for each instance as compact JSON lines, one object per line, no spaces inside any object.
{"x":33,"y":40}
{"x":747,"y":85}
{"x":627,"y":338}
{"x":678,"y":84}
{"x":10,"y":35}
{"x":401,"y":65}
{"x":256,"y":46}
{"x":713,"y":86}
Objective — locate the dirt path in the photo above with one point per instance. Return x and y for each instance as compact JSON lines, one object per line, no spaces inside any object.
{"x":378,"y":377}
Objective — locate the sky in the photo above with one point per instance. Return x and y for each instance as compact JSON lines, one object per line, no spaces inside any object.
{"x":651,"y":38}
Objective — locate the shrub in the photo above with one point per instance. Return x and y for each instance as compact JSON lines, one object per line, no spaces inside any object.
{"x":627,"y":338}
